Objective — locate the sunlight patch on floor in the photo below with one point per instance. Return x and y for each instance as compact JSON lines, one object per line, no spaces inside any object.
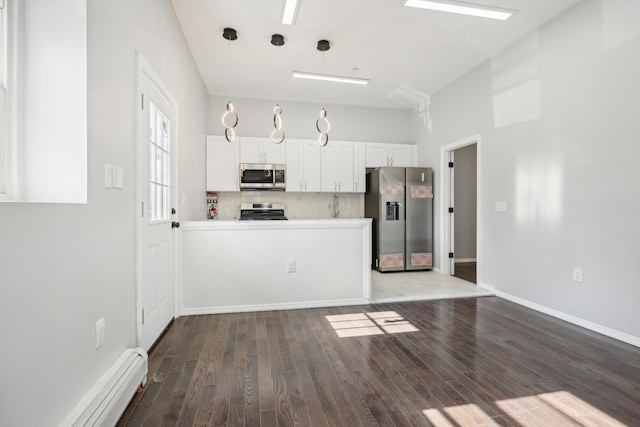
{"x":463,"y":415}
{"x":366,"y":324}
{"x":557,"y":409}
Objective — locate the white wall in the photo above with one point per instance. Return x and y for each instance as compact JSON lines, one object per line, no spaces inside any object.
{"x":558,"y":114}
{"x":465,"y":202}
{"x":62,"y":267}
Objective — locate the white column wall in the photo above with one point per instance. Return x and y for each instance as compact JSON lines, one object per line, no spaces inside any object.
{"x":559,"y":118}
{"x":62,"y":267}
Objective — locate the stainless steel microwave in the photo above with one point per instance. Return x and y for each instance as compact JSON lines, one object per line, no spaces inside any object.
{"x":259,"y":176}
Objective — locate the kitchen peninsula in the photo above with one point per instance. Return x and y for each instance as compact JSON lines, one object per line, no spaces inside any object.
{"x":230,"y":266}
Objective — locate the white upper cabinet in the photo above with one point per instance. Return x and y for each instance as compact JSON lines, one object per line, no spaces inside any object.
{"x":381,"y":154}
{"x":377,"y":155}
{"x":337,"y":167}
{"x":261,"y":150}
{"x":359,"y":167}
{"x":303,"y":165}
{"x":223,"y":164}
{"x":403,"y":155}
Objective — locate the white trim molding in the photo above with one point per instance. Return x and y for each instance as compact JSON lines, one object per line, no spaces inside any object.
{"x":444,"y":202}
{"x":269,"y":307}
{"x":595,"y":327}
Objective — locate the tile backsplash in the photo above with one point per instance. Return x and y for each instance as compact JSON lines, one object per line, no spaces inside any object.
{"x":296,"y":205}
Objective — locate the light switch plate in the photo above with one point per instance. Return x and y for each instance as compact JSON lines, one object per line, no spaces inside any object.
{"x":118,"y":177}
{"x":500,"y":206}
{"x":100,"y":332}
{"x":108,"y":175}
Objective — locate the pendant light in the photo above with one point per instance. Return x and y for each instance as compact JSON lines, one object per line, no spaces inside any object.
{"x":230,"y":117}
{"x":277,"y":135}
{"x":322,"y":123}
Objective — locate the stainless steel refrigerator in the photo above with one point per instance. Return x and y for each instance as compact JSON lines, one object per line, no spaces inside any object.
{"x":400,"y":202}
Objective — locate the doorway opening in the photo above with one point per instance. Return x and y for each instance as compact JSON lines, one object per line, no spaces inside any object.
{"x":459,"y":208}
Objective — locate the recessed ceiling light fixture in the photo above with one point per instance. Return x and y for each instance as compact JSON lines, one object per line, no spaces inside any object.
{"x":327,"y":78}
{"x":290,"y":11}
{"x":461,"y":8}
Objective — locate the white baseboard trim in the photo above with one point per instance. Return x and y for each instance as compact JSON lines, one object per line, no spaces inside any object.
{"x":595,"y":327}
{"x":107,"y":400}
{"x":269,"y":307}
{"x":437,"y":270}
{"x":487,"y":287}
{"x":465,"y":260}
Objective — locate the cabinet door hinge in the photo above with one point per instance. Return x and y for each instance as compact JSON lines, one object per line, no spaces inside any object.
{"x":450,"y":254}
{"x":450,"y":210}
{"x":450,"y":164}
{"x":142,"y":101}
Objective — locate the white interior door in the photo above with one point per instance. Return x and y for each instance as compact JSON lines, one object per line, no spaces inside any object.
{"x":156,"y":192}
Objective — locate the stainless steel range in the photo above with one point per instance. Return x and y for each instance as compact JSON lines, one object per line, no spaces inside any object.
{"x":262,"y":211}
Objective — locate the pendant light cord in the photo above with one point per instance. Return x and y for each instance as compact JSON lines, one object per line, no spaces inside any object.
{"x":277,"y":134}
{"x":230,"y":117}
{"x":323,"y":137}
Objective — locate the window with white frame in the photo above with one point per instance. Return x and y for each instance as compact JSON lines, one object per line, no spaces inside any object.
{"x":43,"y":101}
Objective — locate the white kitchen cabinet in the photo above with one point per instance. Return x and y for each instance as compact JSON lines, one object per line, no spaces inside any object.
{"x":359,"y":167}
{"x":223,"y":164}
{"x":336,"y":162}
{"x":382,"y":154}
{"x":303,"y":165}
{"x":403,"y":155}
{"x":261,"y":150}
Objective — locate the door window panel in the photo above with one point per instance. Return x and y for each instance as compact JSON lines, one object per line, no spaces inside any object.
{"x":159,"y":164}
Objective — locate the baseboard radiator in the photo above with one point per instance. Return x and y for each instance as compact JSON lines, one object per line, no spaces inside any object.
{"x":107,"y":400}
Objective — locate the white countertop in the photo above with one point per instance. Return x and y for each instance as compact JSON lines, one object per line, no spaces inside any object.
{"x":290,"y":224}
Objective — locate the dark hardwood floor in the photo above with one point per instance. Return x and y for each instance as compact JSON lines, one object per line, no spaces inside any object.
{"x":466,"y":271}
{"x":464,"y":362}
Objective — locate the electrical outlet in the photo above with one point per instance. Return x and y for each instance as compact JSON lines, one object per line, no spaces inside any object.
{"x":291,"y":266}
{"x":577,"y":275}
{"x":100,"y":332}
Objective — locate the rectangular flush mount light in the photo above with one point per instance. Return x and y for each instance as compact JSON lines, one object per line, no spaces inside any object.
{"x":327,"y":78}
{"x":461,"y":8}
{"x":290,"y":11}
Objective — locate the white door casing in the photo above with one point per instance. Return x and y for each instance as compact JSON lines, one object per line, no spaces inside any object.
{"x":156,"y":148}
{"x":451,"y":214}
{"x":446,"y":219}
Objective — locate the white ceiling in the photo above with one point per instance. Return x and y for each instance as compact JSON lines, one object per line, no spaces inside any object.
{"x":392,"y":45}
